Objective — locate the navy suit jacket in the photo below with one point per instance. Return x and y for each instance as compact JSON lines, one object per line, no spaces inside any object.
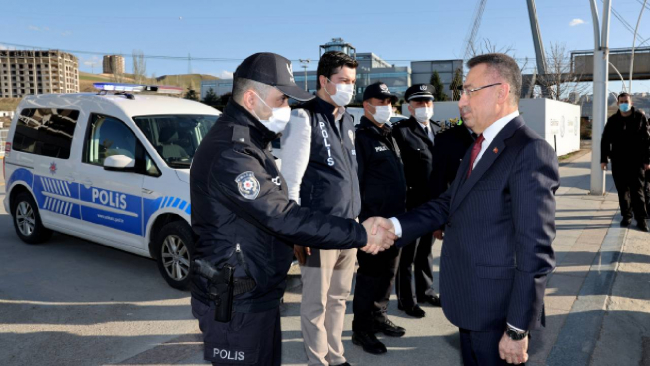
{"x":500,"y":224}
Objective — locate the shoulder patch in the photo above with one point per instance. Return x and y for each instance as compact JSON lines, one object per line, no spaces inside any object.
{"x":240,"y":134}
{"x":248,"y":185}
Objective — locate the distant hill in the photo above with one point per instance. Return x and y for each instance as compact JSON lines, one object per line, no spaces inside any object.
{"x":86,"y":80}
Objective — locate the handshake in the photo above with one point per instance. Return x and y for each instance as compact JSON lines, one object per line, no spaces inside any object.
{"x":381,"y":236}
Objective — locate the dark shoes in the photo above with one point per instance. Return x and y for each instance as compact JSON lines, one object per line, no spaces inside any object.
{"x":626,"y":222}
{"x":415,"y":311}
{"x":431,"y":300}
{"x":369,"y":342}
{"x":642,"y":225}
{"x":343,"y":364}
{"x":389,"y":328}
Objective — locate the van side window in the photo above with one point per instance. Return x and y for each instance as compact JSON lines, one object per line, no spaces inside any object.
{"x":45,"y":131}
{"x":108,"y":136}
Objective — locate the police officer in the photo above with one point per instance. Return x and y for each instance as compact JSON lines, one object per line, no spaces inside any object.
{"x":415,"y":138}
{"x":383,"y":193}
{"x":626,"y":141}
{"x":244,"y":219}
{"x":320,"y":167}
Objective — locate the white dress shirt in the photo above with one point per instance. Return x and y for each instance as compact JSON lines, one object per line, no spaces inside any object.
{"x":428,"y":126}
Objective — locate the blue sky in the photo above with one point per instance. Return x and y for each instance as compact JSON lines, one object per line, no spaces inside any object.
{"x":395,"y":30}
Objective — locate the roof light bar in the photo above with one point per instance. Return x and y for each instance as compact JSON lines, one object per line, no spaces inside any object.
{"x":118,"y":87}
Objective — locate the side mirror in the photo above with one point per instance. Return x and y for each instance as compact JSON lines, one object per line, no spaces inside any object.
{"x":119,"y":163}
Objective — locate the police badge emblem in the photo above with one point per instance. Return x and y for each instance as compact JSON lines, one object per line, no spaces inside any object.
{"x":248,"y":185}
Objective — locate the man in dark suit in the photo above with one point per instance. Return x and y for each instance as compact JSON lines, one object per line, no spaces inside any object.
{"x":415,"y":138}
{"x":500,"y":221}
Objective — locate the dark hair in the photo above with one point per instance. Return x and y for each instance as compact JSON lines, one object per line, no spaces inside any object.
{"x":330,"y":64}
{"x":241,"y":85}
{"x":623,"y":95}
{"x":505,"y":66}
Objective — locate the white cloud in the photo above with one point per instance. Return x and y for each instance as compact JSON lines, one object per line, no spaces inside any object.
{"x":93,"y":61}
{"x":66,"y":33}
{"x":34,"y":28}
{"x":3,"y":47}
{"x":225,"y":75}
{"x":576,"y":21}
{"x":46,"y":29}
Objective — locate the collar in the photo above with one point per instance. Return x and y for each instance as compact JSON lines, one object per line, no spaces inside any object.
{"x":423,"y":125}
{"x":258,"y":132}
{"x":329,"y":109}
{"x":491,"y":132}
{"x":366,"y":123}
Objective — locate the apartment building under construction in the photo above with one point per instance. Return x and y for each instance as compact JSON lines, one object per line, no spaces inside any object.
{"x":37,"y":72}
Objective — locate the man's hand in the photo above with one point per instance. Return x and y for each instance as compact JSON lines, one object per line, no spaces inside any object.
{"x":603,"y":166}
{"x":646,"y":166}
{"x":301,"y":253}
{"x":381,"y":234}
{"x":438,"y":234}
{"x":514,"y":352}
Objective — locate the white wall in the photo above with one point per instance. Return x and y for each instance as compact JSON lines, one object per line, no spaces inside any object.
{"x":547,"y":117}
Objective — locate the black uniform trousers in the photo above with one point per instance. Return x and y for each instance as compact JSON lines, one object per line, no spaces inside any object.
{"x":630,"y":180}
{"x":481,"y":348}
{"x":647,"y":191}
{"x":248,"y":339}
{"x":417,"y":255}
{"x":374,"y":284}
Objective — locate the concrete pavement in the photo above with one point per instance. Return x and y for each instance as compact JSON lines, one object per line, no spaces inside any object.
{"x":585,"y":325}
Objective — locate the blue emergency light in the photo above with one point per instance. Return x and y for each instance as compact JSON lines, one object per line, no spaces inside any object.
{"x":119,"y":87}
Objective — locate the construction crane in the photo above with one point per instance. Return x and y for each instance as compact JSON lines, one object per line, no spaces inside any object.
{"x":473,"y":31}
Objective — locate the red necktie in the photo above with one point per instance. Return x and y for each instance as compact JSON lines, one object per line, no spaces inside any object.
{"x":476,"y":148}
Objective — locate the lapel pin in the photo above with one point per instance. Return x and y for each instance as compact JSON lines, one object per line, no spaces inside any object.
{"x":496,"y":150}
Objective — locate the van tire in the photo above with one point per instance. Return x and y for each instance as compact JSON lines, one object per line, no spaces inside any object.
{"x":174,"y":252}
{"x":27,"y":220}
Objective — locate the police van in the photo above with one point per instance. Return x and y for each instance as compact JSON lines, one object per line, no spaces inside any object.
{"x":111,"y":167}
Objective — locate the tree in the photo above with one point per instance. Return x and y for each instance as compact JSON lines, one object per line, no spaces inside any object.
{"x":439,"y":93}
{"x":561,"y":81}
{"x":457,"y":83}
{"x":211,"y":98}
{"x":139,"y":67}
{"x":191,"y":93}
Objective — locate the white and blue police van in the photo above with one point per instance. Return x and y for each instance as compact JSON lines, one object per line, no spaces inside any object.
{"x":112,"y":168}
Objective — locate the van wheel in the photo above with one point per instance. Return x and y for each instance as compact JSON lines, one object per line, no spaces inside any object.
{"x":27,"y":220}
{"x":174,"y":246}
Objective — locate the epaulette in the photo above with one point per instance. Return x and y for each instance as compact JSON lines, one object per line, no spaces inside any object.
{"x":240,"y":134}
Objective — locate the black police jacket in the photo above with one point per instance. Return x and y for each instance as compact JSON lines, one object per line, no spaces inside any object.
{"x":242,"y":215}
{"x":626,"y":140}
{"x":381,"y":172}
{"x":330,"y":183}
{"x":417,"y":154}
{"x":449,"y":150}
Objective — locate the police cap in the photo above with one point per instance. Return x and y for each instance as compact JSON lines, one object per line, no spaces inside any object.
{"x":272,"y":69}
{"x":419,"y":91}
{"x":379,"y":90}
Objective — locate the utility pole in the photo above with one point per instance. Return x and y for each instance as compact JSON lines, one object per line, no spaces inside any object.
{"x":633,"y":42}
{"x":601,"y":78}
{"x":305,"y":64}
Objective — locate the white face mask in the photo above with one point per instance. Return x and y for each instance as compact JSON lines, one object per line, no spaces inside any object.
{"x":279,"y":117}
{"x":423,"y":114}
{"x":344,"y":93}
{"x":382,"y":113}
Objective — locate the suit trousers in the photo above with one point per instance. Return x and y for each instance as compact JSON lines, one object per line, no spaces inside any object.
{"x":416,"y":254}
{"x":481,"y":348}
{"x":375,"y":278}
{"x":630,"y":180}
{"x":326,"y":285}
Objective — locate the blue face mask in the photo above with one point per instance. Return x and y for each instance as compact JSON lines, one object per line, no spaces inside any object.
{"x":624,"y":107}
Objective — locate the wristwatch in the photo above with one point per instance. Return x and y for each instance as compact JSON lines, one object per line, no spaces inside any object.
{"x":516,"y":335}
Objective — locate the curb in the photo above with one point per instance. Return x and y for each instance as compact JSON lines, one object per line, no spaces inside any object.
{"x":577,"y":340}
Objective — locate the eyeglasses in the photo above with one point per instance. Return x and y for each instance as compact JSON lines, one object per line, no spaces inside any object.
{"x":469,"y":92}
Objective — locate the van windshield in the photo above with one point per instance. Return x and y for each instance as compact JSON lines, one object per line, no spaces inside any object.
{"x":176,"y":137}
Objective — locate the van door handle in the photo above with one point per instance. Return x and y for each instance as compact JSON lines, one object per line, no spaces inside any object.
{"x":147,"y":191}
{"x":87,"y":182}
{"x":69,"y":178}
